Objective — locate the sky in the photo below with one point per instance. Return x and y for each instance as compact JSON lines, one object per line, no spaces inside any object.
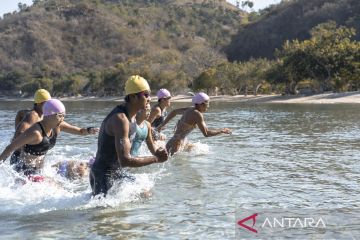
{"x":258,"y":4}
{"x":12,"y":5}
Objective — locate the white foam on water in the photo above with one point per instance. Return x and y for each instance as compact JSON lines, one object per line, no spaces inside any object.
{"x":193,"y":149}
{"x":58,"y":193}
{"x":128,"y":191}
{"x":21,"y":196}
{"x":199,"y":148}
{"x":125,"y":191}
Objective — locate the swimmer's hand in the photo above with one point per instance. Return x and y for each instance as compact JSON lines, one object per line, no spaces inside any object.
{"x":92,"y":130}
{"x":161,"y":154}
{"x":226,"y":131}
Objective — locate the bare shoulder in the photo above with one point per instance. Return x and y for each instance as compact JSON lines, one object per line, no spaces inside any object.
{"x":116,"y":123}
{"x":118,"y":120}
{"x":34,"y":131}
{"x":31,"y":116}
{"x":119,"y":117}
{"x":156,"y":109}
{"x":22,"y":113}
{"x":196,"y":112}
{"x":196,"y":115}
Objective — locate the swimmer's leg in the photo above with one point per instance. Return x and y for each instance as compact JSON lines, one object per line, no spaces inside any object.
{"x":99,"y":182}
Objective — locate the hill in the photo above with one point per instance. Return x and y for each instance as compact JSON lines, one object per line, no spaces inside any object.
{"x":292,"y":19}
{"x":97,"y":43}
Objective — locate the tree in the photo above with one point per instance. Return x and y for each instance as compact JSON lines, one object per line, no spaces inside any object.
{"x":22,"y":6}
{"x":12,"y":80}
{"x":225,"y":75}
{"x":330,"y":57}
{"x":200,"y":58}
{"x":250,"y":4}
{"x":35,"y":84}
{"x":205,"y":81}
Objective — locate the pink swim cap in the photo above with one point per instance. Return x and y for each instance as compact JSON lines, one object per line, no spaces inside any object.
{"x":163,"y":93}
{"x":199,"y":98}
{"x":53,"y":106}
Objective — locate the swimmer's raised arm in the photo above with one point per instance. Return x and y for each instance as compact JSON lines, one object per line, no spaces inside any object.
{"x":68,"y":128}
{"x":200,"y":122}
{"x":30,"y":136}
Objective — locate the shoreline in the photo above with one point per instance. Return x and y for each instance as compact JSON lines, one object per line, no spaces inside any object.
{"x":324,"y":98}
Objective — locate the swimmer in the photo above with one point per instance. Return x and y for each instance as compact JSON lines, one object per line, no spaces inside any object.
{"x":35,"y":114}
{"x":113,"y":153}
{"x":26,"y":118}
{"x":192,"y":117}
{"x":143,"y":132}
{"x":158,"y":112}
{"x":41,"y":137}
{"x":72,"y":169}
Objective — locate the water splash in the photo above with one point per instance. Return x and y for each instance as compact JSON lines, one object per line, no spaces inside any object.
{"x":24,"y":197}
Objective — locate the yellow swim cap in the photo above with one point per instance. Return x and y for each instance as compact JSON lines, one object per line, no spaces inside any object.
{"x":41,"y":95}
{"x":136,"y":84}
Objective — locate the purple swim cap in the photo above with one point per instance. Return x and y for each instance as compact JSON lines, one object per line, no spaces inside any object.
{"x":199,"y":98}
{"x":163,"y":93}
{"x":53,"y":106}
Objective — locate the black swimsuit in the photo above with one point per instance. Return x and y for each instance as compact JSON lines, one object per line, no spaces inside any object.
{"x":44,"y":146}
{"x":156,"y":123}
{"x":160,"y":119}
{"x":39,"y":149}
{"x":15,"y":157}
{"x":106,"y":167}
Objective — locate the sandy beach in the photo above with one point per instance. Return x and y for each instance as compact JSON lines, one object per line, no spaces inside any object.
{"x":325,"y":98}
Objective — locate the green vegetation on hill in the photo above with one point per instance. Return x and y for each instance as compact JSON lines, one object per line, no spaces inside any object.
{"x":290,"y":20}
{"x":328,"y":61}
{"x":92,"y":46}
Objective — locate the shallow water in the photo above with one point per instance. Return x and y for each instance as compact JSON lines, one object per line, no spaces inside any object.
{"x":278,"y":157}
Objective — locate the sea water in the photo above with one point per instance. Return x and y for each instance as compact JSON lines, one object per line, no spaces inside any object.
{"x":278,"y":157}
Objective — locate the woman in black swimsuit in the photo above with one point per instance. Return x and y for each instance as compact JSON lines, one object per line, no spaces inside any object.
{"x":158,"y":113}
{"x":41,"y":137}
